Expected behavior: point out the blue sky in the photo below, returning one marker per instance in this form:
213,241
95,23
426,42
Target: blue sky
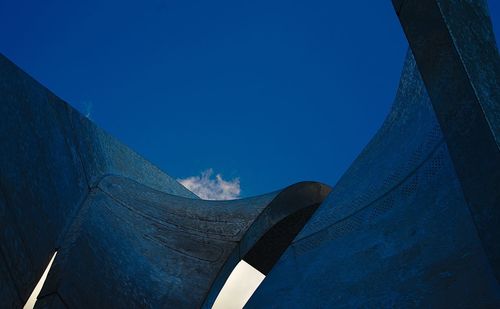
270,92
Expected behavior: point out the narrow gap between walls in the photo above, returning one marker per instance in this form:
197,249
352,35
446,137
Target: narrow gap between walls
36,291
239,287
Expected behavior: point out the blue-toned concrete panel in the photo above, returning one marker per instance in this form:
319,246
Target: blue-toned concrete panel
126,233
134,246
397,229
412,223
52,301
51,156
41,178
103,155
124,267
8,290
454,47
405,140
414,247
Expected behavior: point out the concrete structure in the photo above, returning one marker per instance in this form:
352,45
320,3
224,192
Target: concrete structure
412,223
127,234
415,220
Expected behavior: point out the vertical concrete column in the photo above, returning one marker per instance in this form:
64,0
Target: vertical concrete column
455,51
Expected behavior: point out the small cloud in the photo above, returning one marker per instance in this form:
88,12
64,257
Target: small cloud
88,108
208,187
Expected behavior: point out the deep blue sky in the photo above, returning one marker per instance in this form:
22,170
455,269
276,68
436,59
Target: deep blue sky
272,92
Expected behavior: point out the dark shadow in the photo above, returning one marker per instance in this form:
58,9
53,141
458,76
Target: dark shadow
274,242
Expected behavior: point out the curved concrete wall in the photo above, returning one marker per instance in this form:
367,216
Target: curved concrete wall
50,158
127,234
414,221
395,231
134,247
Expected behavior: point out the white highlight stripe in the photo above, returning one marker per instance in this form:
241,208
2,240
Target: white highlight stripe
32,299
239,287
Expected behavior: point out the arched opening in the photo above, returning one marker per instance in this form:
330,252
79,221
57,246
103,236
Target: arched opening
239,287
269,248
260,259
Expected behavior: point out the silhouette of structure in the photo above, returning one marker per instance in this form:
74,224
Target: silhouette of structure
414,221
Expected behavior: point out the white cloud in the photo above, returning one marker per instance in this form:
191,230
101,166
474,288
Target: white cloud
88,108
208,187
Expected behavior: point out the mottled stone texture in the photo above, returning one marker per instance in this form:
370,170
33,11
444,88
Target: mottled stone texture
415,220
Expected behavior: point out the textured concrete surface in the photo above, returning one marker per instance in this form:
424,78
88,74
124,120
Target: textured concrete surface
455,50
140,247
51,158
127,234
412,223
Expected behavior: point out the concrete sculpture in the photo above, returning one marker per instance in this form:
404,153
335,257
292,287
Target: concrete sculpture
413,222
139,238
